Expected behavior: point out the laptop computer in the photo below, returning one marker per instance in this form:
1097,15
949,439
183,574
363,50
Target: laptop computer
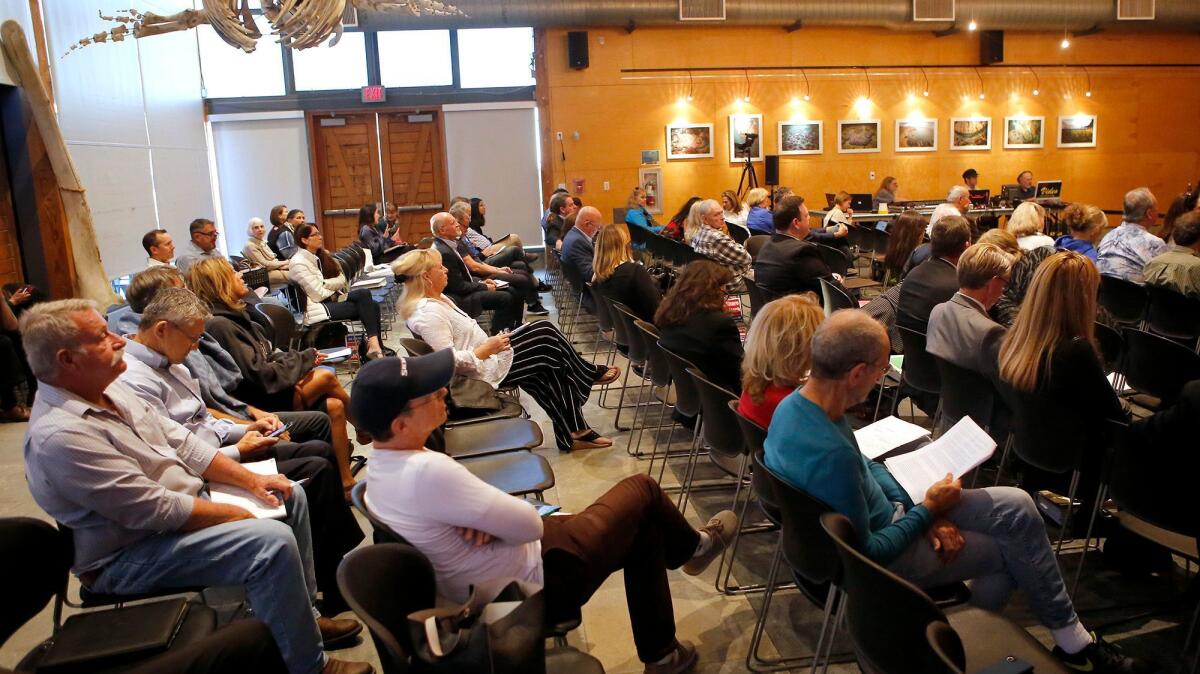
1011,192
861,202
979,198
1049,189
829,199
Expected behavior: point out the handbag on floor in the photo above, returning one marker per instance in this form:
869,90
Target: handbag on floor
503,636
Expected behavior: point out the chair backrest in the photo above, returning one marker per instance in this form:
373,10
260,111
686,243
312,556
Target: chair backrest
656,363
1125,300
634,338
834,298
755,244
886,614
38,558
383,533
721,431
1157,365
919,370
603,317
754,436
965,393
620,336
757,298
687,396
738,233
1043,435
297,295
806,547
1173,315
574,278
834,259
1112,347
283,325
415,346
1141,487
945,643
383,584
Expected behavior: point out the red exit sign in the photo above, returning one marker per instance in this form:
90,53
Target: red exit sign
374,93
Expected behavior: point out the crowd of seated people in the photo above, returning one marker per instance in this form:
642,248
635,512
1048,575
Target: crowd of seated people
516,273
258,252
618,277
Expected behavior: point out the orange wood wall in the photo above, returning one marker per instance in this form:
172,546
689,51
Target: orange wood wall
1148,131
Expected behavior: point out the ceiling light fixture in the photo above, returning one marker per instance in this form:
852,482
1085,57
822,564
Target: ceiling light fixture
1065,42
971,26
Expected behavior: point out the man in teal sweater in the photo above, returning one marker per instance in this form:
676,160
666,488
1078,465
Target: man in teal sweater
993,537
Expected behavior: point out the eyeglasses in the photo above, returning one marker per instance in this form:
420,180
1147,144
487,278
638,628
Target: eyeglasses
212,233
191,339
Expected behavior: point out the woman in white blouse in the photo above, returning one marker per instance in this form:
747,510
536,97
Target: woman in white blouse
1026,223
320,278
535,356
259,253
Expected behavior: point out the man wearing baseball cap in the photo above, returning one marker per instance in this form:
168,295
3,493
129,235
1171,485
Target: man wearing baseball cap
476,535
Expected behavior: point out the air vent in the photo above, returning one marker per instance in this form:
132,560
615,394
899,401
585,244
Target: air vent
349,17
701,10
1135,10
933,10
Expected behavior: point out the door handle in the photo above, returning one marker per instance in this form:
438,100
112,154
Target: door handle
409,208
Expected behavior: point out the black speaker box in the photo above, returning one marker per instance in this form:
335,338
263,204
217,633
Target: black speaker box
772,169
991,47
577,49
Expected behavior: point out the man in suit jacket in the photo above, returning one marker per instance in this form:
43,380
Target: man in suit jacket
471,295
960,330
787,264
935,280
577,249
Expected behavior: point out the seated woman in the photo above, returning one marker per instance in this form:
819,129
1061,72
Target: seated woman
886,194
735,211
271,380
675,227
259,253
1086,223
1026,223
758,218
282,237
835,228
904,236
778,355
381,247
693,323
15,367
497,252
321,279
636,214
535,356
621,279
712,239
1004,311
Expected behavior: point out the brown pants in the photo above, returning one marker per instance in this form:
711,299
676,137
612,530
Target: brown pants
634,527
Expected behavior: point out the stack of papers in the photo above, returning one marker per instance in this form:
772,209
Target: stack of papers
885,435
375,282
961,449
336,354
231,495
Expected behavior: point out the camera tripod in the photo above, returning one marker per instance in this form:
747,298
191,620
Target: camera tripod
749,176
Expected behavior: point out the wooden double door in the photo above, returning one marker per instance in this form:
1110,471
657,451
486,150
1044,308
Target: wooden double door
373,157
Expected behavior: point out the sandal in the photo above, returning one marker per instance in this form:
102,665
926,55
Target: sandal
590,440
610,375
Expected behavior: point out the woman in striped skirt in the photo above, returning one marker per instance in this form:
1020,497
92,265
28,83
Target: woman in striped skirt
536,356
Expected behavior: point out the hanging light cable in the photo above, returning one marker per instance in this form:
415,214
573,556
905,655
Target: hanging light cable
807,86
980,78
867,75
1088,92
1037,82
691,87
747,74
925,91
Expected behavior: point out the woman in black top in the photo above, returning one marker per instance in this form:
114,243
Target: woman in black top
693,323
621,279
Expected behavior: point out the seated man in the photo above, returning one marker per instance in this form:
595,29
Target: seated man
561,206
517,275
787,263
159,248
935,280
470,295
202,245
578,251
958,202
476,535
1124,252
960,330
1179,268
169,329
131,485
994,536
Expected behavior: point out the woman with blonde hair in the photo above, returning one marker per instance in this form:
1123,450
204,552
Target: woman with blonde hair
259,253
1005,310
778,354
636,213
736,211
535,356
621,279
759,219
1086,223
1026,223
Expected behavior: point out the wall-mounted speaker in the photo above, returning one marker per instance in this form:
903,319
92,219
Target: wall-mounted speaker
577,49
991,47
772,170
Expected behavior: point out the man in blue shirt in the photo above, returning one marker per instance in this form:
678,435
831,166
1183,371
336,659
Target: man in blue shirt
994,537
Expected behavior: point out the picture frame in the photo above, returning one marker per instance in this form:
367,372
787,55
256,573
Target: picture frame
689,141
650,179
1077,131
739,125
1024,132
916,135
970,133
801,137
856,136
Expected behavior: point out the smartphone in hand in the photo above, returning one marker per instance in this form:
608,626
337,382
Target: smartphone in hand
278,431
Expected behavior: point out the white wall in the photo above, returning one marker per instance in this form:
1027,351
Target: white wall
133,119
492,153
262,160
17,10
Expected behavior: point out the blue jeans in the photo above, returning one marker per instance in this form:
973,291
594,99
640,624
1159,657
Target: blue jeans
271,558
1005,547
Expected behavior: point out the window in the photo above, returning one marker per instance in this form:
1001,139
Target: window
229,72
342,66
495,57
415,58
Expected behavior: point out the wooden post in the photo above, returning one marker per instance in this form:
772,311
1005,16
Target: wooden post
90,280
542,95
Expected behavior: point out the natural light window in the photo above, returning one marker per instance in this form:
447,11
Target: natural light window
229,72
495,57
415,58
343,66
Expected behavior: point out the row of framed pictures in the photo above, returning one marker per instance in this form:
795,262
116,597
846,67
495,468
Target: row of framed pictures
691,141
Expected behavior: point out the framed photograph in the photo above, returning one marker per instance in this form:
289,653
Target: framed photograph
916,135
739,126
689,141
1024,132
1077,131
649,156
971,133
651,180
856,136
800,137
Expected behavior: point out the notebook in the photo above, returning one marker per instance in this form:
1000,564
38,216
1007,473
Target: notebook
231,495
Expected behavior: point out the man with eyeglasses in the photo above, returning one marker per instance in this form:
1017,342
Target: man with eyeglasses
960,330
202,245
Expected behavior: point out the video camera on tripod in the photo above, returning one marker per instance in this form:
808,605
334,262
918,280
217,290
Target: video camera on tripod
743,148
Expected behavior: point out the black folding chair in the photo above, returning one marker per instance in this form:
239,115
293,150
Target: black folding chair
834,298
919,372
1126,301
1157,366
1173,315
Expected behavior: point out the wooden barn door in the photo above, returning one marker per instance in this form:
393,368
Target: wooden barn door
345,162
414,168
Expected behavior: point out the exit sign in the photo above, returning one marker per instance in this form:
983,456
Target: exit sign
374,93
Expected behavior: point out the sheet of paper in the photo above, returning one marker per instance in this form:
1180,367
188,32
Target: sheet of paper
336,352
231,495
885,435
958,451
368,283
500,283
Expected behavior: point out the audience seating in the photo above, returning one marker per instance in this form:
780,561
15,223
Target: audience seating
948,647
639,359
1157,366
1125,301
687,403
659,373
839,264
919,372
755,244
1173,315
834,298
964,393
757,297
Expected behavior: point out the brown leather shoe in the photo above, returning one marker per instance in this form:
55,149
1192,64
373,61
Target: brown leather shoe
338,632
346,667
683,658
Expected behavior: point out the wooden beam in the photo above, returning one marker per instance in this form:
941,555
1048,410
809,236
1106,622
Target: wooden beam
39,40
542,96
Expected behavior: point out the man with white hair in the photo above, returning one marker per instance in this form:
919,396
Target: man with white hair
1124,252
712,240
470,295
958,202
577,249
132,486
517,276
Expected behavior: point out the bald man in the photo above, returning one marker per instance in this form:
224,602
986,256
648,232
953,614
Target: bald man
577,248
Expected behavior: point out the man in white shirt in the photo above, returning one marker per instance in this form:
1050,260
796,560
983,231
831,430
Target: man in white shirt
475,534
159,247
958,202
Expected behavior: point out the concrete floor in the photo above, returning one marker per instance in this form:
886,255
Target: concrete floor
719,625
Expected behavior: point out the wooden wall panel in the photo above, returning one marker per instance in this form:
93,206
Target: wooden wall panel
345,173
414,168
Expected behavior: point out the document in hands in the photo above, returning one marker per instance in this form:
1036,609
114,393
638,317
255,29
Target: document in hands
885,435
958,451
369,283
231,495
